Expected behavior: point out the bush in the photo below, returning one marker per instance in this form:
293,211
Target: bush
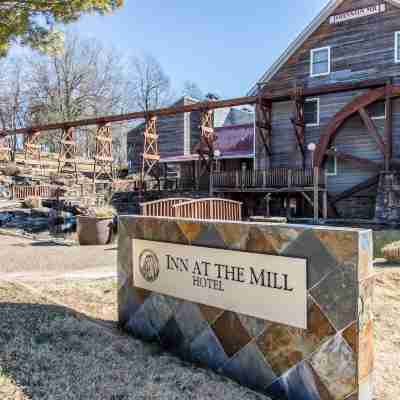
33,202
102,212
11,170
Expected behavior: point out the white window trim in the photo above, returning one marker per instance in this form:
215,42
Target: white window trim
334,164
312,61
396,47
318,120
380,117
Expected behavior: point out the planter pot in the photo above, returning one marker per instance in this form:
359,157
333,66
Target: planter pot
94,231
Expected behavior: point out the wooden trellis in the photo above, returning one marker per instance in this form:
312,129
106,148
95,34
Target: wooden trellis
103,166
32,148
151,154
67,162
207,139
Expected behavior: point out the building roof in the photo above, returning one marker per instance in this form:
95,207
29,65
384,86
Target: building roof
235,141
325,13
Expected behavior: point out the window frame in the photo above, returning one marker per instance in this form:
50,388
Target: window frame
335,163
314,99
312,51
382,116
396,47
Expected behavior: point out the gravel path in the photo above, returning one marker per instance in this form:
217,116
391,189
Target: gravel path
23,257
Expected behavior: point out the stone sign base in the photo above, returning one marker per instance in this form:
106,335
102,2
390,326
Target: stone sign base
331,360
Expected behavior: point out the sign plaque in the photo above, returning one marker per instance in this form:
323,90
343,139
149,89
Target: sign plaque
359,13
269,287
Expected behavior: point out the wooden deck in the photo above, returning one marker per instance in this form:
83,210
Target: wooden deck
274,180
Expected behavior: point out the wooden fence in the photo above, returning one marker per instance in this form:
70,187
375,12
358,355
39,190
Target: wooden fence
269,178
162,208
202,209
212,208
22,192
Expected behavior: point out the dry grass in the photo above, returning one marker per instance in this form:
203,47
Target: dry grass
387,336
51,352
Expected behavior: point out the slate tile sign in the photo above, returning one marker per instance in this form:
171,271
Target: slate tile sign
332,360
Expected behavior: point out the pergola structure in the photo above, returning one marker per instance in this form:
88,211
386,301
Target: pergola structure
103,165
375,90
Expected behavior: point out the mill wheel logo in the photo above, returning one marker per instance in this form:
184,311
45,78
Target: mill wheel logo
149,265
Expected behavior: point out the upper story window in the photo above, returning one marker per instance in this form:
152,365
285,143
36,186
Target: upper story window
397,47
311,112
320,61
377,110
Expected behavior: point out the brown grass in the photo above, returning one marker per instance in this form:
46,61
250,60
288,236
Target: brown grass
51,352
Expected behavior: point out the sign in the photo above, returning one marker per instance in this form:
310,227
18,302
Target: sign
359,13
269,287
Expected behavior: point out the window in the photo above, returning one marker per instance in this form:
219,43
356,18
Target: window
377,110
397,47
311,112
331,164
320,61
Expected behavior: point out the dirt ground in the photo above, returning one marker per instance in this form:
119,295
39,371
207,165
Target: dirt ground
59,340
74,351
387,334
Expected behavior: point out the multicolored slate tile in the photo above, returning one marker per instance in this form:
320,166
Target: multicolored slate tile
331,360
231,333
320,261
335,364
250,368
337,296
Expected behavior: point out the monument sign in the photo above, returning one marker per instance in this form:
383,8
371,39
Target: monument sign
283,309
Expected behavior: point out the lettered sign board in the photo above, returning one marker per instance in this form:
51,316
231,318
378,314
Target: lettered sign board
272,288
359,13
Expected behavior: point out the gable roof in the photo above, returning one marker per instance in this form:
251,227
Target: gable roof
330,7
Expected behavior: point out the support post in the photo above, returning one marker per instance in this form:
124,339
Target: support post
388,130
268,204
151,154
325,205
67,162
316,195
103,164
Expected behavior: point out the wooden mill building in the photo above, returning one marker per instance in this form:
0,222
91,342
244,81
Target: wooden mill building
334,89
327,123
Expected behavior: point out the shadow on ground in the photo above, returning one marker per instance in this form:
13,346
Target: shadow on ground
51,352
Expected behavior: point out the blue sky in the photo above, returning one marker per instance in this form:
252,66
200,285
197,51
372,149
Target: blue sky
224,46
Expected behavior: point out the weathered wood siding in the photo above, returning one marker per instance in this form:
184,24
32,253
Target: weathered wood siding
177,134
361,49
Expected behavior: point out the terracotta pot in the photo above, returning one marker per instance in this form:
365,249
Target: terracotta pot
94,231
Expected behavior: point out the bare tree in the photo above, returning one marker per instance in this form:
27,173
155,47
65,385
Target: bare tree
84,80
13,105
149,86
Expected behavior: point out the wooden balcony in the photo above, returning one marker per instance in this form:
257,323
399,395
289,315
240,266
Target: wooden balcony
270,180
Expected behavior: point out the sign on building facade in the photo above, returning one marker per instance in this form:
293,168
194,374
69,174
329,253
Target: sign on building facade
359,13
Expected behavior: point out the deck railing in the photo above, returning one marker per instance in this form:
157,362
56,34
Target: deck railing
162,208
270,178
22,192
211,208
